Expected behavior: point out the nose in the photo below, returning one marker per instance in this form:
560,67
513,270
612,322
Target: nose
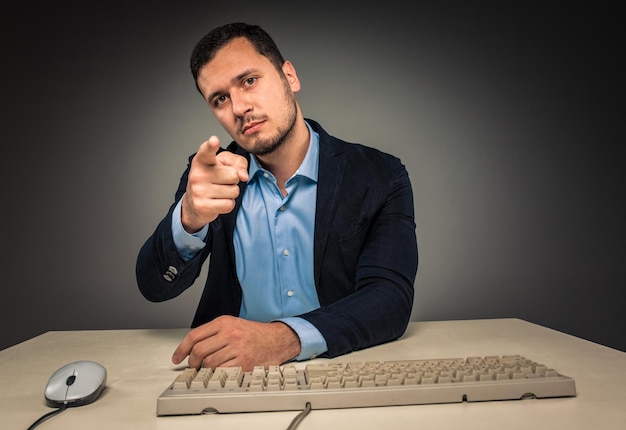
240,103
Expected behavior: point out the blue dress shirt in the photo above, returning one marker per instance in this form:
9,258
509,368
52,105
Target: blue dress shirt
273,241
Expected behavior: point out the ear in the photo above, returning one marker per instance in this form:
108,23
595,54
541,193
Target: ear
290,74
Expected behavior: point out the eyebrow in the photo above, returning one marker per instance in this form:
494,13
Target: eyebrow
233,81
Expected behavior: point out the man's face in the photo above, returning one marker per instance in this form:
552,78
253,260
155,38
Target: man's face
254,102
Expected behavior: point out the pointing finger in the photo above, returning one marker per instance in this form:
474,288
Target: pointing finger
207,152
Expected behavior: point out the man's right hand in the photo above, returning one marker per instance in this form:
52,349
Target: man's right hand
212,186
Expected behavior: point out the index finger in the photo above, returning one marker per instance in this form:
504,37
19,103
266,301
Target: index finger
207,152
191,339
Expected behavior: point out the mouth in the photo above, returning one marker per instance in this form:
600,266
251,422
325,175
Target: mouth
251,127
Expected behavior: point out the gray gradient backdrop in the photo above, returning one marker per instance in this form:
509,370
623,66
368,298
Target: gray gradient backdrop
509,120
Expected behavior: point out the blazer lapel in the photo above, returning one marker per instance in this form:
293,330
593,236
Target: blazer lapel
330,178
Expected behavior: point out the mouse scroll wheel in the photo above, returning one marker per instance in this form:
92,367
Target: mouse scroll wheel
70,380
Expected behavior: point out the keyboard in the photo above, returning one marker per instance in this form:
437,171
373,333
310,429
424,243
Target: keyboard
333,385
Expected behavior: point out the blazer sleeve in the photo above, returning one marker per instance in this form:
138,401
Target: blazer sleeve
160,271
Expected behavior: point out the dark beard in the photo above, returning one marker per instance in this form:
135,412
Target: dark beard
267,146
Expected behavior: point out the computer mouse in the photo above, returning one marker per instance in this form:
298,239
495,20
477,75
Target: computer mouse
76,384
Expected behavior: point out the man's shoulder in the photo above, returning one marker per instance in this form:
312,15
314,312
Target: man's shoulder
356,150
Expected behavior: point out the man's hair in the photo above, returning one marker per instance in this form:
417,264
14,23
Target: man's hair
206,48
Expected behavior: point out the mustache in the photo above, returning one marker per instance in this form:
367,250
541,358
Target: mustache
245,121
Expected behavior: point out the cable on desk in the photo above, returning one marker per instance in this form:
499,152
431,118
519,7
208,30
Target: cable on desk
47,416
298,418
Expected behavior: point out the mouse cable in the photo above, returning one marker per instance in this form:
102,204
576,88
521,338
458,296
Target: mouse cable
298,418
48,415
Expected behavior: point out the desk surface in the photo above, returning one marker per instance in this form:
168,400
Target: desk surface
139,369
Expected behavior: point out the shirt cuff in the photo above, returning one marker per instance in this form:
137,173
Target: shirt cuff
188,245
311,340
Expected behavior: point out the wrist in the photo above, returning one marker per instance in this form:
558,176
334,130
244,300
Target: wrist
289,342
191,223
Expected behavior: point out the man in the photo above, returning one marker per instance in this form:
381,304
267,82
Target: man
311,240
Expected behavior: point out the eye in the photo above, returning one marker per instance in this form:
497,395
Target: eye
217,101
249,81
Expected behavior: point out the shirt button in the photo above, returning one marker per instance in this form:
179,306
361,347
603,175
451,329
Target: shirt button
285,252
266,175
289,293
282,208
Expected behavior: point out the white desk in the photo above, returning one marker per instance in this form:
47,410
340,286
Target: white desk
139,369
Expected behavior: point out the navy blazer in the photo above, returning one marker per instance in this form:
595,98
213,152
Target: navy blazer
365,250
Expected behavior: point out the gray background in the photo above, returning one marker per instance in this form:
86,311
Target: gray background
509,120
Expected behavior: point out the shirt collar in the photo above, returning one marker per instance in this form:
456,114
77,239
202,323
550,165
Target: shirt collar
309,166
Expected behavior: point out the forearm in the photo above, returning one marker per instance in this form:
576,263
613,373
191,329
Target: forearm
160,270
377,313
